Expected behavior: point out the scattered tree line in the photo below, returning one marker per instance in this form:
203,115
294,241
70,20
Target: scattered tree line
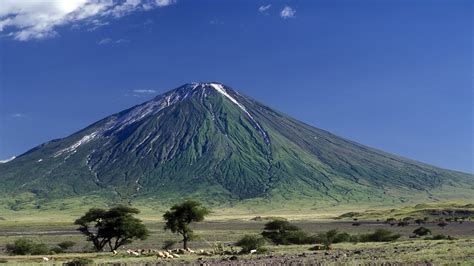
118,226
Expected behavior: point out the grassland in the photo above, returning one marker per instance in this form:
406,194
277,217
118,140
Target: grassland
408,252
225,226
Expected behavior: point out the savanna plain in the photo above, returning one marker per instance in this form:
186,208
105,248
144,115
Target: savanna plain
338,236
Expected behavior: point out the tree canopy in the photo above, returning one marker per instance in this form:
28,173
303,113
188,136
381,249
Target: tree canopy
180,216
114,227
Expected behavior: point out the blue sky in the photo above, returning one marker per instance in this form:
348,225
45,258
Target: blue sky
395,75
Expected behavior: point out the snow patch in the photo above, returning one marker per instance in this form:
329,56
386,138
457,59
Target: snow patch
221,90
73,147
7,160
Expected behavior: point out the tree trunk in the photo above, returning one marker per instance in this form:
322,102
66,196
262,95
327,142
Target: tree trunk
185,242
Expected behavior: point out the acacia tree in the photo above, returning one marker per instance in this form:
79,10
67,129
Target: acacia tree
114,227
179,218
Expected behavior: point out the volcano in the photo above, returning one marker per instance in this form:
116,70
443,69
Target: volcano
207,141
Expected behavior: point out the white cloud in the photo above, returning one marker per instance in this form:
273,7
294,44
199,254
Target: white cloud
165,2
141,93
287,12
145,91
263,9
37,19
106,41
17,115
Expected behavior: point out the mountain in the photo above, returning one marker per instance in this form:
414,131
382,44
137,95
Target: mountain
207,141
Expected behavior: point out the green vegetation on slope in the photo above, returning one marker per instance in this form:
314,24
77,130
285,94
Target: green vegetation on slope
194,142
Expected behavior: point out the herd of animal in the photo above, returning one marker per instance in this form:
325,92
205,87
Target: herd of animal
168,254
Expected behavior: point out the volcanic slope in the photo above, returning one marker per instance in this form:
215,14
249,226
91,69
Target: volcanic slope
207,141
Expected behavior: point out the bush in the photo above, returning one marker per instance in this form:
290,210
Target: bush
422,231
65,245
56,250
282,232
442,224
440,237
332,236
296,237
62,247
403,223
79,262
24,246
419,221
250,242
342,237
380,235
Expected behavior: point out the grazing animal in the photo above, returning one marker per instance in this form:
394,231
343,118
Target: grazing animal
45,259
253,251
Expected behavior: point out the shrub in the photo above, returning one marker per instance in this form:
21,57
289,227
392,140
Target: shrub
24,246
422,231
342,237
282,232
333,236
297,237
79,262
440,237
168,244
391,221
403,223
419,221
442,224
65,245
250,242
56,250
380,235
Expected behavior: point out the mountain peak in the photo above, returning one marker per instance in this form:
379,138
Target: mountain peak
207,141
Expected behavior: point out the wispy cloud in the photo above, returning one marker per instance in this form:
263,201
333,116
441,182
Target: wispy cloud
25,20
141,93
264,8
216,22
145,91
17,115
287,12
106,41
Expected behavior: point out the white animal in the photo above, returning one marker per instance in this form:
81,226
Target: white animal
253,251
45,259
